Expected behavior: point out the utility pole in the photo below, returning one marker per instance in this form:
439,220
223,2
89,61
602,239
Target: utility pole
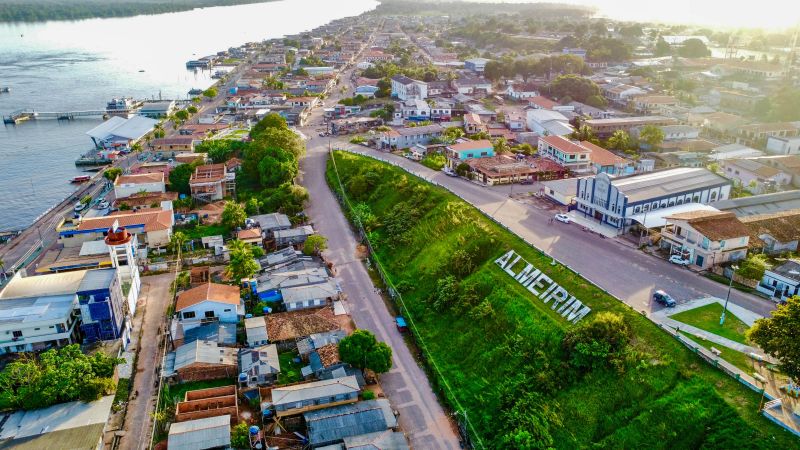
728,296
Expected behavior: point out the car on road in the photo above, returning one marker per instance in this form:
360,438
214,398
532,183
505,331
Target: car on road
527,181
678,259
449,172
664,298
80,206
103,205
563,218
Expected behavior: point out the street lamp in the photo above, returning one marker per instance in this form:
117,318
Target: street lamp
728,296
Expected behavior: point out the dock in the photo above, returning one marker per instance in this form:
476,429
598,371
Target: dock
24,115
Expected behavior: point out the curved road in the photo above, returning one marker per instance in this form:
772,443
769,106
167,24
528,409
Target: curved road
625,272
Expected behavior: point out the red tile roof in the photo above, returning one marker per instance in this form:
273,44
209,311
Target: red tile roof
155,177
542,102
152,220
602,156
221,293
471,145
565,145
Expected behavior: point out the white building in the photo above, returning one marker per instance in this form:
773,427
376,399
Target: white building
781,282
309,296
127,185
777,145
210,301
617,201
705,238
548,123
405,88
119,133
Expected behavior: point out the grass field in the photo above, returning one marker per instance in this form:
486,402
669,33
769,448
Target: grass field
707,318
290,370
738,359
497,349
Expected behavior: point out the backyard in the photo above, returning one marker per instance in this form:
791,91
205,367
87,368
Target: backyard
497,350
434,161
707,318
290,370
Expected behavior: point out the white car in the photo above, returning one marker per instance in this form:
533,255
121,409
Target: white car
563,218
79,207
449,172
678,259
103,205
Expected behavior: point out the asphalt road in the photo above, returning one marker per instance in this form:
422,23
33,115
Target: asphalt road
627,273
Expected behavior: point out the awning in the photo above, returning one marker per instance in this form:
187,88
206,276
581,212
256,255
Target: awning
657,218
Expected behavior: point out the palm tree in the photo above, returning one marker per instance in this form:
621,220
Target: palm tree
501,146
177,241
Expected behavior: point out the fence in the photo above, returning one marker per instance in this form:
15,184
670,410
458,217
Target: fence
717,362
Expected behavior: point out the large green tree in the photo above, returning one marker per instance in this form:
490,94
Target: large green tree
652,136
362,350
620,140
777,336
180,175
694,48
233,215
242,263
574,86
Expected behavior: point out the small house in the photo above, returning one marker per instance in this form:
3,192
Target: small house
210,301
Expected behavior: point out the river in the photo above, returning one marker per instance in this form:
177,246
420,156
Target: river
75,65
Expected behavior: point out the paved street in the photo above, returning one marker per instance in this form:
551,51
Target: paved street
624,271
406,385
153,302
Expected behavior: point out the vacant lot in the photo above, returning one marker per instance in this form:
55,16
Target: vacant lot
498,352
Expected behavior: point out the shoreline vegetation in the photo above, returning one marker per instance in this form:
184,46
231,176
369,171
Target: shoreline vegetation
529,378
45,10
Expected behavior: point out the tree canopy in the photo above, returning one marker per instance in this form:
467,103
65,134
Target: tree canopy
576,87
777,336
362,350
242,263
233,215
694,48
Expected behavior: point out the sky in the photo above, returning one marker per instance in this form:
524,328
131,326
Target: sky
768,14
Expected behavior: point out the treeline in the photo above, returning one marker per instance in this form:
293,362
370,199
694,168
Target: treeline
460,9
41,10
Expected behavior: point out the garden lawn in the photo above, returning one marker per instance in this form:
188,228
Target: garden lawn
707,319
201,231
434,161
502,342
290,370
738,359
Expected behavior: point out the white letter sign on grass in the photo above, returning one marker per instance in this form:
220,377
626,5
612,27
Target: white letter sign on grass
540,285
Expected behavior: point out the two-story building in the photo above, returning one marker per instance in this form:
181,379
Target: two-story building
754,176
169,147
619,201
408,137
212,182
778,232
571,155
461,151
405,88
128,185
210,301
152,227
705,238
477,65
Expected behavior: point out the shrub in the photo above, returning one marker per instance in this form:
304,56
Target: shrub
597,342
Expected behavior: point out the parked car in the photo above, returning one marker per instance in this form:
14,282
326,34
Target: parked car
449,172
526,181
103,205
80,206
678,259
563,218
664,298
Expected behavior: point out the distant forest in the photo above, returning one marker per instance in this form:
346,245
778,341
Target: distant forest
461,9
40,10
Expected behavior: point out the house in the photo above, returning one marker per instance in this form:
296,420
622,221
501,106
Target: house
473,123
324,362
413,109
208,402
604,128
119,133
169,147
620,94
405,88
377,55
779,232
505,169
761,204
515,122
789,164
309,296
461,151
574,156
354,125
521,91
272,222
439,88
251,236
620,201
256,331
408,137
72,425
284,329
545,122
331,425
212,182
589,111
292,236
472,85
705,238
652,104
128,185
259,365
318,340
757,134
733,151
182,332
200,360
539,102
305,102
676,132
754,176
210,301
781,282
366,91
777,145
604,161
152,227
561,191
738,100
157,110
477,65
301,398
380,440
200,434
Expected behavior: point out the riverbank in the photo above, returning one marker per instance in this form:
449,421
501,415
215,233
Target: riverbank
43,10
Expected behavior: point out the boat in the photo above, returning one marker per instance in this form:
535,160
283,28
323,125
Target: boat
80,179
121,106
141,70
5,90
195,91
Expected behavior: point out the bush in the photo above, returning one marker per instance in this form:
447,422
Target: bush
753,267
367,395
597,342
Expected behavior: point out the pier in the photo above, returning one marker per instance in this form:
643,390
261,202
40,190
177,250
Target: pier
24,115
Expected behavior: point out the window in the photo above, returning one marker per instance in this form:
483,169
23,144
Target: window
17,334
209,314
228,310
188,315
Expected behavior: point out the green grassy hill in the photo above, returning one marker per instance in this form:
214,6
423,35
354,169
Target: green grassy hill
502,353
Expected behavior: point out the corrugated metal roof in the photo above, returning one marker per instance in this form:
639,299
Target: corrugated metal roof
203,352
316,389
256,329
97,279
43,285
211,432
380,440
311,292
332,424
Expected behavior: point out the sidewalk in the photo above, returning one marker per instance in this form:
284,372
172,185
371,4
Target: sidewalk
593,225
719,340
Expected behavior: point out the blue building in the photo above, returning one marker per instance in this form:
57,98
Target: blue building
101,304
